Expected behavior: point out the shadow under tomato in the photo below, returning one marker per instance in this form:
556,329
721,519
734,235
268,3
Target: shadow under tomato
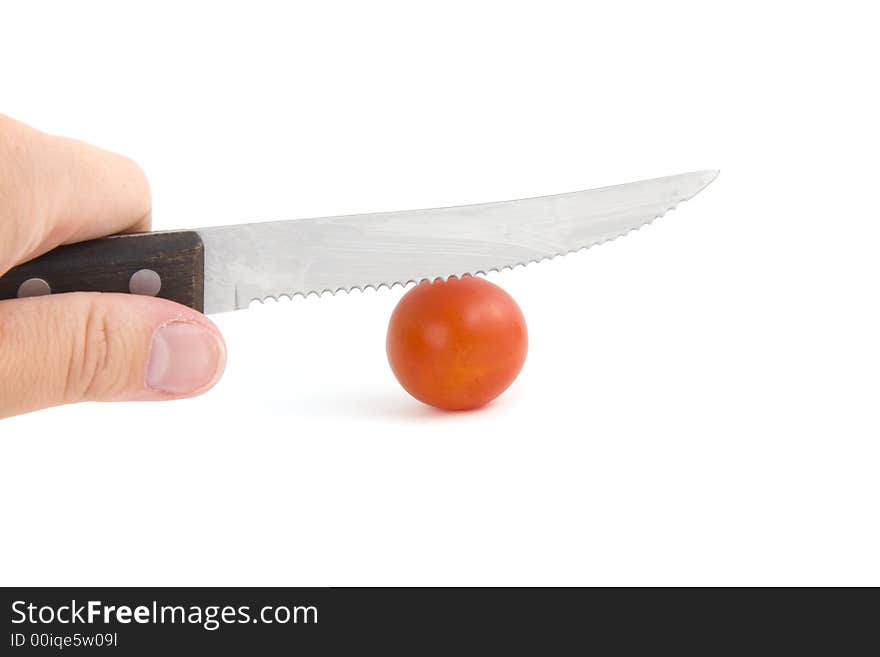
392,406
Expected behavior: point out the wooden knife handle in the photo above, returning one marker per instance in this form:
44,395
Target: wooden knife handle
173,262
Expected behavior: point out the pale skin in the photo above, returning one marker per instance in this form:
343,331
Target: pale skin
67,348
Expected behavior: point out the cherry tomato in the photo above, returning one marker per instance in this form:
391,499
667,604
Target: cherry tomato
457,344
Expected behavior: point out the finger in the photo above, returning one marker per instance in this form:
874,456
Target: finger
103,347
55,191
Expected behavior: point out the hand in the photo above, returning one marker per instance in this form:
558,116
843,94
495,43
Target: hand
65,348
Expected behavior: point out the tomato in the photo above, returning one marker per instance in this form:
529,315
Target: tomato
457,344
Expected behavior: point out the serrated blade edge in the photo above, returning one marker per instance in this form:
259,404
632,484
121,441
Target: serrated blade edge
258,261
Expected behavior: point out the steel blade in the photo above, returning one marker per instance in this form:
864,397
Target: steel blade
251,262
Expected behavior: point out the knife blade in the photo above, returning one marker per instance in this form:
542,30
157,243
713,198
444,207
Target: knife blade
225,268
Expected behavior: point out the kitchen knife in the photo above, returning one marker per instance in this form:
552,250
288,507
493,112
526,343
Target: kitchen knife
224,268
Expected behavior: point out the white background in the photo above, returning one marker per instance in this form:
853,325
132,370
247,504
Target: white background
700,401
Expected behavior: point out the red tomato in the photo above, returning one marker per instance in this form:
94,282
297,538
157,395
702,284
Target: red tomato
457,344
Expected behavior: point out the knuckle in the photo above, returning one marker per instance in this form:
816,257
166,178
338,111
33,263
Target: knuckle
140,188
96,365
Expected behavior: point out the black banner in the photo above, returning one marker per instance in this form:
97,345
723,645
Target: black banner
150,621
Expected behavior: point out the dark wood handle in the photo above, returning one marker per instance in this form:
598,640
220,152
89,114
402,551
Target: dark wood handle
177,260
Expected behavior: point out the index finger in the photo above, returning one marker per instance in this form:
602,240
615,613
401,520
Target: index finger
55,191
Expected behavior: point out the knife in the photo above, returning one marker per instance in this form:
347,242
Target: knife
225,268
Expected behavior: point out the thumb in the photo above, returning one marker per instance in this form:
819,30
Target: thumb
103,347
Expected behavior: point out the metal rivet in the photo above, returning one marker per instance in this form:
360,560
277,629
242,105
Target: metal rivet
34,287
145,282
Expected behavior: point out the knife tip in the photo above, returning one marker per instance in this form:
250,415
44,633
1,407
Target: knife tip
703,179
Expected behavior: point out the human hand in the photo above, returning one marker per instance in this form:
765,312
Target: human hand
65,348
